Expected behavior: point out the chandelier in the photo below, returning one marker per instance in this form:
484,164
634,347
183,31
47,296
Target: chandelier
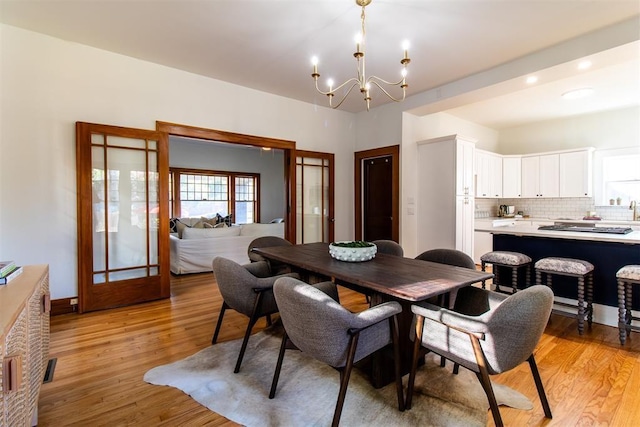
361,80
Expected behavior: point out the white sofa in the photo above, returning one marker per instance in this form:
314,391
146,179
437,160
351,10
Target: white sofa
194,252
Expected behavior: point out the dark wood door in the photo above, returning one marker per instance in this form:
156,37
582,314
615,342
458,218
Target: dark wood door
377,193
122,178
378,203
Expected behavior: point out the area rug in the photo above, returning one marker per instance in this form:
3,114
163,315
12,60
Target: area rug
307,390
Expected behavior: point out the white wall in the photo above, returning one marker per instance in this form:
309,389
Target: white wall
48,84
611,129
190,154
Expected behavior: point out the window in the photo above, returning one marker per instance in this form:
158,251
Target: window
209,193
617,176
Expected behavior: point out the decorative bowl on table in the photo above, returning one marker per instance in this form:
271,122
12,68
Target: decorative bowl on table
353,251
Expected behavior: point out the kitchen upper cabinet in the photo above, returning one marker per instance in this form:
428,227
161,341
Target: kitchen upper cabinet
511,176
465,153
575,174
541,176
488,174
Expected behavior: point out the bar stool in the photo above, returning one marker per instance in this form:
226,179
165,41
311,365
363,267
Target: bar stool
513,260
627,276
583,270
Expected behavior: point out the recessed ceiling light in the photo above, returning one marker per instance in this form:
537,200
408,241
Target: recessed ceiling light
532,79
583,65
578,93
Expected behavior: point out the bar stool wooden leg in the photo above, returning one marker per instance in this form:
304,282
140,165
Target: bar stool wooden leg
629,315
580,305
514,279
590,299
483,266
622,316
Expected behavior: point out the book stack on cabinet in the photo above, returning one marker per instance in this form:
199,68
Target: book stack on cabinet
24,346
9,271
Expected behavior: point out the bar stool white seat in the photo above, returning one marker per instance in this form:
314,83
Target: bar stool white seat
513,260
627,276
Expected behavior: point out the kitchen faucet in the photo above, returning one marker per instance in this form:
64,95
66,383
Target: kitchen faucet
634,207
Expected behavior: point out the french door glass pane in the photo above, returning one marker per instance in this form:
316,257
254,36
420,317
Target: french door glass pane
127,243
125,193
312,204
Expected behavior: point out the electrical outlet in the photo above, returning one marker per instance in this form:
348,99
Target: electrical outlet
74,301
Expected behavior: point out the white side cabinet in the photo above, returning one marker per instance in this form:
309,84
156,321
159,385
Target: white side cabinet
511,177
24,346
445,208
575,174
541,176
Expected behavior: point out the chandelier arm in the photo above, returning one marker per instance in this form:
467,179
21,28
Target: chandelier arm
356,83
404,93
372,79
353,79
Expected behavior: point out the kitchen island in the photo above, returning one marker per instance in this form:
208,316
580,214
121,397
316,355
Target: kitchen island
607,252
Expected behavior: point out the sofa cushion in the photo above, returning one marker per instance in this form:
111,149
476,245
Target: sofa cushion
207,233
173,228
259,230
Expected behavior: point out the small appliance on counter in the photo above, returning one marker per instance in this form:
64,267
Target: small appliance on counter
507,211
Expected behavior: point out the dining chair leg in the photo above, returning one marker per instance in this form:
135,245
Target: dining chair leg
344,378
393,329
483,377
220,316
276,374
414,361
539,386
252,321
456,368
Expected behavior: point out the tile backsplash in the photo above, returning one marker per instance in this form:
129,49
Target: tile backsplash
569,208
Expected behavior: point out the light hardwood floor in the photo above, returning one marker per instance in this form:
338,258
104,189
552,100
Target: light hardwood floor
102,357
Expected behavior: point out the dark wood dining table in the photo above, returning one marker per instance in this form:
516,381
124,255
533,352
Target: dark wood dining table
384,278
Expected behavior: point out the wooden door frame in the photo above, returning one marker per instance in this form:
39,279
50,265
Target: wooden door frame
359,156
330,157
213,135
130,291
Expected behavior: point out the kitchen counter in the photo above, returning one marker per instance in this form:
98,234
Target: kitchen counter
527,228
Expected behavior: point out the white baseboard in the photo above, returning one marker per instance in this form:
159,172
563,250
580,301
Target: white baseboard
602,314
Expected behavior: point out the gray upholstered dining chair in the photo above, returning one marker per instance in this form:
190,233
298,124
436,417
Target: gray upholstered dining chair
389,247
265,242
448,256
247,289
323,329
487,333
452,257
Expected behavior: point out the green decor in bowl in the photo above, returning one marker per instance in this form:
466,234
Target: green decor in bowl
353,251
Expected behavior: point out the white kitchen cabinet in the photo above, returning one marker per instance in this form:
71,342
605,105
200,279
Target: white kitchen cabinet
576,174
445,205
541,176
482,244
465,152
488,174
511,177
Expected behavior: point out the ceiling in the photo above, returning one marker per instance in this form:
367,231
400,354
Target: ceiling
267,44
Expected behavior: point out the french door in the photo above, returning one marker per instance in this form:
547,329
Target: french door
314,197
122,179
